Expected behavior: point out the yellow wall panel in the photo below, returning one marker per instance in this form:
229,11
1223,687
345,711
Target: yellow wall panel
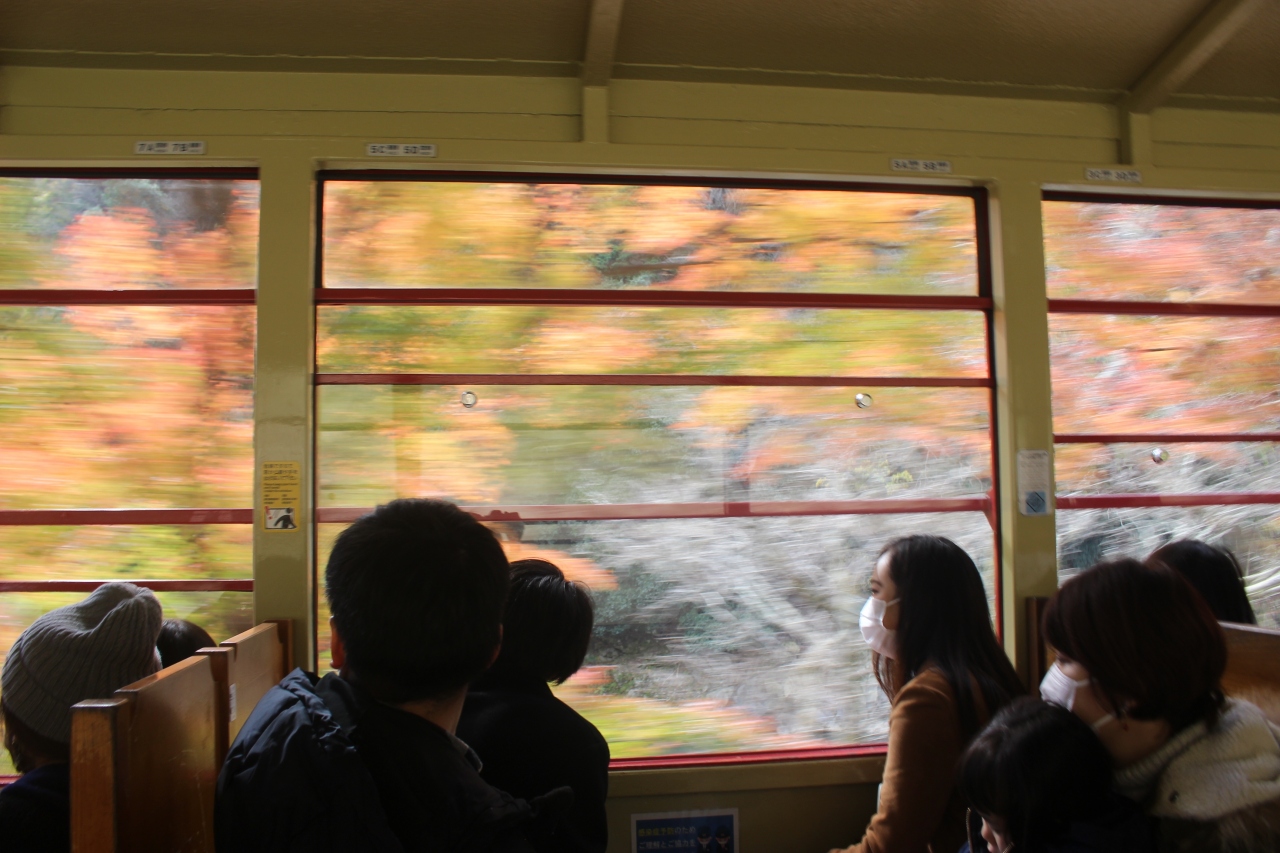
32,121
893,141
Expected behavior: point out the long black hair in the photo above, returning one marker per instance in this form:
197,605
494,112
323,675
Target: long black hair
1215,573
1038,767
944,623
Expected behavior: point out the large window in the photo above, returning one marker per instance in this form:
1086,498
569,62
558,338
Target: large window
714,404
1165,337
126,392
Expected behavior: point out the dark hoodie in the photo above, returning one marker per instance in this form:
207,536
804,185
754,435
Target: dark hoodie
35,811
321,766
1121,829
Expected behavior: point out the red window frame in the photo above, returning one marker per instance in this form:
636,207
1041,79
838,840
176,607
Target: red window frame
1161,309
126,516
982,302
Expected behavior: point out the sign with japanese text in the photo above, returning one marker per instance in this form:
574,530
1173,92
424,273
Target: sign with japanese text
281,495
696,832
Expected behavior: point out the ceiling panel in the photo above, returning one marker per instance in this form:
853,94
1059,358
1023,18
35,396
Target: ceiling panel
1086,49
1091,44
1248,66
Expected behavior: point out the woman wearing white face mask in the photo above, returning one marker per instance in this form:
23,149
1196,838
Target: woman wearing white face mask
937,659
1140,659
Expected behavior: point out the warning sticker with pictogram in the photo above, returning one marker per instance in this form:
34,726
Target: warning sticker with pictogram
281,495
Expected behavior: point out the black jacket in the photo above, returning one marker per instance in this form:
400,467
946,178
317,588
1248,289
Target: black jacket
320,766
1122,828
35,811
531,742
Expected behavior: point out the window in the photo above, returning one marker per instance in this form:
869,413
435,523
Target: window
1164,326
126,391
714,404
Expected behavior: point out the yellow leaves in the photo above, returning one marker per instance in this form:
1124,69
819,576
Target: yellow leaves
564,346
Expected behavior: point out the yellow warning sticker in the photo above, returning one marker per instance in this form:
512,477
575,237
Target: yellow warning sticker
281,495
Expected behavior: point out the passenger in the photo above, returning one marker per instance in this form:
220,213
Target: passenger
936,657
366,759
1039,781
82,651
529,740
180,639
1214,572
1140,659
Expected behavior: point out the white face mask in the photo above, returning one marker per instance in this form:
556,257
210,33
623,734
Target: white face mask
1060,689
871,621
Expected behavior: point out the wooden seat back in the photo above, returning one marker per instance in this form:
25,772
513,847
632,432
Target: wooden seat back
144,764
1039,655
1253,667
246,667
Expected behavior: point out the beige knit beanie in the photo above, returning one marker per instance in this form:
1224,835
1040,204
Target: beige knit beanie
82,651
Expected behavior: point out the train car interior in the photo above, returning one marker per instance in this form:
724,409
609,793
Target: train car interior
704,302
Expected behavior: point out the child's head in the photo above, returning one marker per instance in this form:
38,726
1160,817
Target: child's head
86,650
548,622
1034,770
179,640
416,589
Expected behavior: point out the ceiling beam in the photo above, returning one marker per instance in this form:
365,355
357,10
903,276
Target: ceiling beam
1189,52
597,68
602,42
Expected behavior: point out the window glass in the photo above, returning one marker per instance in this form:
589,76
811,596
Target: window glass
726,634
1134,380
126,551
1252,533
650,340
599,444
128,233
1161,252
138,406
1169,468
126,407
1142,374
728,572
517,235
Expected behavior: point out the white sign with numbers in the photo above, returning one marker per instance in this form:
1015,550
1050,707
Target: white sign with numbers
400,149
1114,176
937,167
168,147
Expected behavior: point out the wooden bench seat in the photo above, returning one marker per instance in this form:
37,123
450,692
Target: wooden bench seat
145,762
1253,667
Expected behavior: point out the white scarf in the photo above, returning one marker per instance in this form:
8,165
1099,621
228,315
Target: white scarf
1203,774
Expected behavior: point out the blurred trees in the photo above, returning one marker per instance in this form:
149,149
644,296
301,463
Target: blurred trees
127,407
754,617
1163,374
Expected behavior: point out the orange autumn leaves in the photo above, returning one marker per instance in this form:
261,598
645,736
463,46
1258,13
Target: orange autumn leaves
135,406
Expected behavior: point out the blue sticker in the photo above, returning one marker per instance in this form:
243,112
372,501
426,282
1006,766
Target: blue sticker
695,832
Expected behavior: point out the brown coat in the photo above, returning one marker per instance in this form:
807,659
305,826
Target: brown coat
920,808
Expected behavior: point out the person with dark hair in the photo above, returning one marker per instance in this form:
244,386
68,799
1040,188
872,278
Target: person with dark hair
366,759
936,657
529,740
86,650
1140,659
179,640
1214,572
1038,780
